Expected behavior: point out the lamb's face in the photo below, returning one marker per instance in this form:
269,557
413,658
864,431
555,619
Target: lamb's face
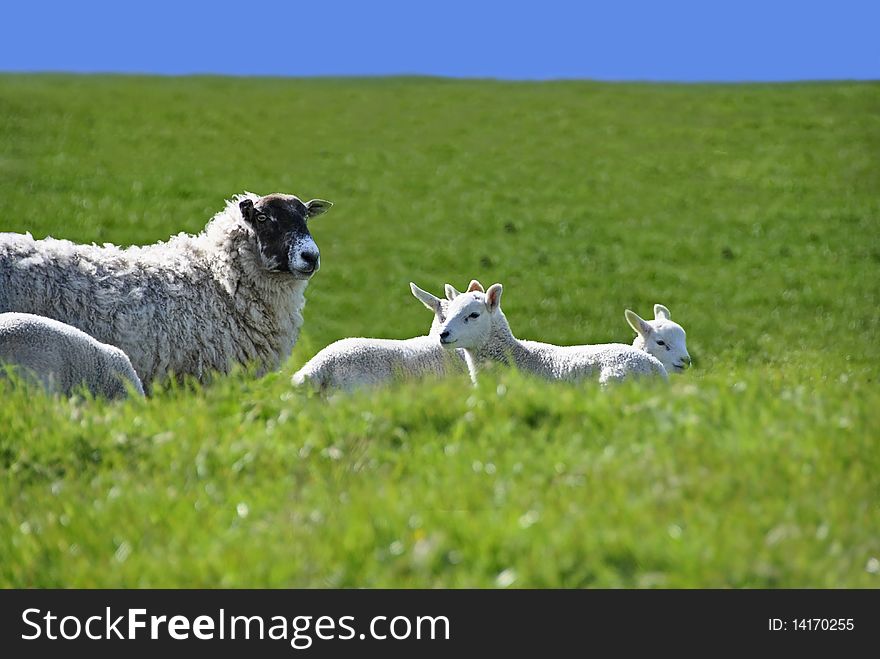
468,323
664,339
440,316
280,223
667,342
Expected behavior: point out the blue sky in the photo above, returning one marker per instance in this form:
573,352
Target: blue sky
611,40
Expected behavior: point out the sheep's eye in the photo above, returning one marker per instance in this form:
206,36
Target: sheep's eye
261,217
474,315
660,343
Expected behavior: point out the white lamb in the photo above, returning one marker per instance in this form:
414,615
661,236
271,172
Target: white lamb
476,324
63,358
232,294
356,362
662,338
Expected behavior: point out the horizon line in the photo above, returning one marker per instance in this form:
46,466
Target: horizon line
439,77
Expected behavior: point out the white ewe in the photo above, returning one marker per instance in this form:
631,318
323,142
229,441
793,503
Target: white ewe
662,338
476,324
189,306
63,358
356,362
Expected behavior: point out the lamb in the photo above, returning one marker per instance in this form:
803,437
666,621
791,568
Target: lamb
351,363
662,338
476,324
63,358
232,294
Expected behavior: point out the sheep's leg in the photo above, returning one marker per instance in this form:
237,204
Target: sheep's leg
611,375
471,366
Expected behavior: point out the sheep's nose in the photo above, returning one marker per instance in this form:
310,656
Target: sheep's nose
444,335
686,359
310,259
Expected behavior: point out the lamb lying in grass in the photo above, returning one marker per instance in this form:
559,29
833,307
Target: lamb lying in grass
356,362
476,324
661,338
63,358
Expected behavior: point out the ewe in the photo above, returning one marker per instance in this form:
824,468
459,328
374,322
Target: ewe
356,362
62,358
189,306
476,324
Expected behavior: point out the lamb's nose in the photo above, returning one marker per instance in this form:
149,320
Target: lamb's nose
444,335
686,359
311,258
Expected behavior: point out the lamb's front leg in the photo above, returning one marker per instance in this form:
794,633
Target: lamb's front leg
471,366
611,374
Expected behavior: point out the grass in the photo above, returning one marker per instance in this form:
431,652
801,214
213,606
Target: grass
752,211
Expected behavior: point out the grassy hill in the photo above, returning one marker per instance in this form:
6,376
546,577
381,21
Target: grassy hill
753,212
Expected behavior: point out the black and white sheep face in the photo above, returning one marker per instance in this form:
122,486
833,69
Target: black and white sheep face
280,223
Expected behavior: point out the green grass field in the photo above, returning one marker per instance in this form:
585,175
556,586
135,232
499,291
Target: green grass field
753,212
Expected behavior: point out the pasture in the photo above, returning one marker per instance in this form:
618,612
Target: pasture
751,211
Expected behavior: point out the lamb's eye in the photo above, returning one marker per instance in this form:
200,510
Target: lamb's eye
660,343
474,315
261,217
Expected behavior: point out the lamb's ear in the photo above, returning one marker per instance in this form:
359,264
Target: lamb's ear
661,312
493,297
639,325
475,286
433,303
246,206
317,207
451,293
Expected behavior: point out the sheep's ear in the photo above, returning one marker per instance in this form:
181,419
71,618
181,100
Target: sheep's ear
493,297
661,312
430,301
475,286
639,325
317,207
246,206
451,293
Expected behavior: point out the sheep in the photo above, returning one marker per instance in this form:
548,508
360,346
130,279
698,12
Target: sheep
476,324
232,294
662,338
351,363
63,358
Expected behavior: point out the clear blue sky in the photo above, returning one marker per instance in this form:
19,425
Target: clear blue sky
715,40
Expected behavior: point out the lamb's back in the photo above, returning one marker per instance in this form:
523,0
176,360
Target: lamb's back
63,357
604,360
353,362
